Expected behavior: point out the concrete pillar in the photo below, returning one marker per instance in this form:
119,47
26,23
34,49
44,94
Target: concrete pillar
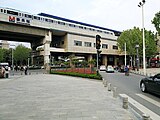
125,102
105,83
33,54
46,42
89,58
104,61
114,92
109,86
115,60
71,60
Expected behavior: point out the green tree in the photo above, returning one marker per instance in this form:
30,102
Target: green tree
1,55
21,54
134,36
156,22
131,38
7,55
151,48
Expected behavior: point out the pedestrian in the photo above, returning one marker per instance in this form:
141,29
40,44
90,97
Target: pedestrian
6,71
25,70
3,71
126,70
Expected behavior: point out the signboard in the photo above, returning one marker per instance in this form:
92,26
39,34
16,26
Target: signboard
19,20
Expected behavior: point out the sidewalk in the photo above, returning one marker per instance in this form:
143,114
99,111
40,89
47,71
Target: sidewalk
54,97
149,71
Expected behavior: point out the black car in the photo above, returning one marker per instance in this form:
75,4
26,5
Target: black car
151,84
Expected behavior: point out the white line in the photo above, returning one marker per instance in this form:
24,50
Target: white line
149,100
142,108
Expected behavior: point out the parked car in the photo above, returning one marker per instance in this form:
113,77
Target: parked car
151,84
102,68
110,69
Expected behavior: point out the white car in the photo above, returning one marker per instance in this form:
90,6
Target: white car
110,69
102,68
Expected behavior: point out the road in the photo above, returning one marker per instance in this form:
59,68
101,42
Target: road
129,85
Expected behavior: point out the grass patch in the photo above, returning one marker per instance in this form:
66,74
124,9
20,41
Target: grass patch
91,76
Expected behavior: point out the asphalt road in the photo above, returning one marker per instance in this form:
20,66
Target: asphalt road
130,85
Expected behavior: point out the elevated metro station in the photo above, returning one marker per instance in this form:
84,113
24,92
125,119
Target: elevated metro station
59,36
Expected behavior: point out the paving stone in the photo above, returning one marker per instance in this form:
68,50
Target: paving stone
55,97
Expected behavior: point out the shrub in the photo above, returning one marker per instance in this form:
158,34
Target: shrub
91,76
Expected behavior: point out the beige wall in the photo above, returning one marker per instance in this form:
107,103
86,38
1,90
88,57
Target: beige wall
82,49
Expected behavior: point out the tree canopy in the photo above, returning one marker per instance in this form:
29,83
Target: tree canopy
156,22
132,37
21,54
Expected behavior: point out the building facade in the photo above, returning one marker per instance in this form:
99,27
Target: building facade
64,37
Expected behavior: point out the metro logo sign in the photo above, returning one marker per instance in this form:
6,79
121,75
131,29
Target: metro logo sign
19,20
12,19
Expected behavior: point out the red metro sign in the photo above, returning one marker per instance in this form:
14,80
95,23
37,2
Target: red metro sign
19,20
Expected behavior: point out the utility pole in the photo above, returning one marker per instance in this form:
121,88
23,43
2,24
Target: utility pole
141,4
125,63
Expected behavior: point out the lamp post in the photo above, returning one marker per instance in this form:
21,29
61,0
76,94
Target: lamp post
125,58
137,46
141,4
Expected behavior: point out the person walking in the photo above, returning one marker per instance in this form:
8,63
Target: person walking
126,70
25,70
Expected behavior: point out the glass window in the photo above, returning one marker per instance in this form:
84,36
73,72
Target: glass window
99,31
77,43
46,20
71,25
23,20
91,29
105,46
18,19
28,16
115,47
87,44
106,32
12,12
1,10
28,21
81,27
61,23
37,18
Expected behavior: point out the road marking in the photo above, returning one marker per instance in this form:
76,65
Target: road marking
141,108
149,99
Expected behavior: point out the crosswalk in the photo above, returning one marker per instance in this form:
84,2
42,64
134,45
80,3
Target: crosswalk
142,108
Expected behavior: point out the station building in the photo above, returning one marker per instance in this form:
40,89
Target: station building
63,37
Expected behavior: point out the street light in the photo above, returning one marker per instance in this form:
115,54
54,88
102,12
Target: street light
137,46
144,54
125,58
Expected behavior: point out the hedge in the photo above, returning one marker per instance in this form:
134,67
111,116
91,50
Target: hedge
91,76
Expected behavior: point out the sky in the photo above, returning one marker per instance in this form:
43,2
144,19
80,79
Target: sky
118,15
